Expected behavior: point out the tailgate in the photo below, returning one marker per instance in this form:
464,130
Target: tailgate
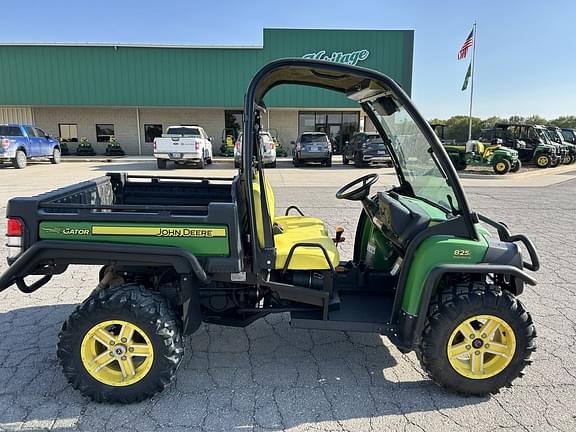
178,144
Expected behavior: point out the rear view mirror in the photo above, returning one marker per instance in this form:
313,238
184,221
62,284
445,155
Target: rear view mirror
385,106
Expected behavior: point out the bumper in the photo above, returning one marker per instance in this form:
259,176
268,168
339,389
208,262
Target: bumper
312,156
7,156
185,157
377,159
266,159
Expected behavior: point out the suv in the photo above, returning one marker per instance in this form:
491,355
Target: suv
183,144
267,145
313,147
366,148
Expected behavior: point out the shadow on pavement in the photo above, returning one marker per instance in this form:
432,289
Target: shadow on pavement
266,376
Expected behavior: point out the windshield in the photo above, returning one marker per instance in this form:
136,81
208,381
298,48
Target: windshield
416,161
569,135
542,133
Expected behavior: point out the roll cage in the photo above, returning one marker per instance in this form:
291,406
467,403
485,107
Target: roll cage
367,87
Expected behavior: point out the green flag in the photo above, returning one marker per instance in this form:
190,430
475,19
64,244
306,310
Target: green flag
467,77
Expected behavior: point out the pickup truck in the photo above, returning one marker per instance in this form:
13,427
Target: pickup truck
183,145
20,142
175,252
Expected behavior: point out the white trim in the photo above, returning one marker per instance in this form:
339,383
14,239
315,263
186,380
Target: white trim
127,45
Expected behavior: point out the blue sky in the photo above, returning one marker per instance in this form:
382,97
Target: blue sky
526,62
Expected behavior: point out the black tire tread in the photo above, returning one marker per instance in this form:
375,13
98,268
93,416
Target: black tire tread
151,307
446,306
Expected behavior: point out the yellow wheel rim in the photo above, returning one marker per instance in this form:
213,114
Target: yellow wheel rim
542,160
117,353
481,347
500,166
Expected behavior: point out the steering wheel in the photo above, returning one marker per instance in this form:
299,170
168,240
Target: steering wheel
359,193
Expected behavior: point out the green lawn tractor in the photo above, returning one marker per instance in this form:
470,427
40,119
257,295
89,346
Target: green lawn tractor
428,272
113,148
475,153
85,148
531,142
229,137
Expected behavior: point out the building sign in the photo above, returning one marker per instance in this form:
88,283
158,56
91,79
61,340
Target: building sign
351,58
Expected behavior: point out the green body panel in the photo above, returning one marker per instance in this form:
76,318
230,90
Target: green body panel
149,76
201,240
376,251
433,212
435,251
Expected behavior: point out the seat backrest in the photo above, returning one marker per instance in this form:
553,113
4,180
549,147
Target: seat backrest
270,205
480,148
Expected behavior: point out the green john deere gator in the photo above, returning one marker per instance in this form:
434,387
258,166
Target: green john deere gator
174,252
476,153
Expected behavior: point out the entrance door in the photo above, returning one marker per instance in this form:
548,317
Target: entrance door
333,132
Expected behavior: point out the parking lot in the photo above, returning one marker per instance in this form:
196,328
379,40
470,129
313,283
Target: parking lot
269,377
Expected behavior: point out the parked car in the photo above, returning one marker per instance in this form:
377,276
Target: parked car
182,145
267,145
365,148
20,142
313,147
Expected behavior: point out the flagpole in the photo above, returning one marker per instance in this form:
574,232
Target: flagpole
472,81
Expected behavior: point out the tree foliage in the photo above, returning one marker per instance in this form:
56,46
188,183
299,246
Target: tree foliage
457,126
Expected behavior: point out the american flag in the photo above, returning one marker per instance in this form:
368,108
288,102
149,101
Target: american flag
467,44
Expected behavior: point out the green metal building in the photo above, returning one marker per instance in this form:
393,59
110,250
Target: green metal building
135,91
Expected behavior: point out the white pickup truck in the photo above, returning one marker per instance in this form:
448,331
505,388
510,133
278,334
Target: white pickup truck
183,144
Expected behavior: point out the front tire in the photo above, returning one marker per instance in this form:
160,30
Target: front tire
20,160
502,166
328,162
358,161
56,156
476,340
543,161
121,345
345,160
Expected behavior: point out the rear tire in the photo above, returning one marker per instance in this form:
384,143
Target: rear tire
458,306
296,163
555,163
328,163
358,162
516,167
20,160
56,156
152,328
161,163
345,160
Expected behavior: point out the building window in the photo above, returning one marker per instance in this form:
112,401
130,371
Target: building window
68,132
104,132
152,131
